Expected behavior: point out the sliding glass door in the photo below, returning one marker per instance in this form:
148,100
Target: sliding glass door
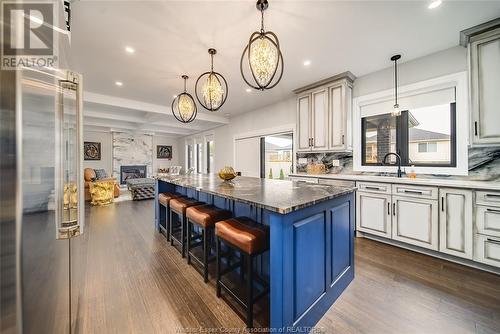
276,156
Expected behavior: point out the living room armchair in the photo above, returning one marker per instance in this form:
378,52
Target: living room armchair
89,176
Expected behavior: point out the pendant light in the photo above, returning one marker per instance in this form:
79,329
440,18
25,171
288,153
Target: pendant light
213,88
183,105
396,111
264,56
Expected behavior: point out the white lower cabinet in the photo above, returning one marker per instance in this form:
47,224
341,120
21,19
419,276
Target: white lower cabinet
373,212
455,222
415,221
487,250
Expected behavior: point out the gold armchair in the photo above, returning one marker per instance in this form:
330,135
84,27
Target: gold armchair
89,175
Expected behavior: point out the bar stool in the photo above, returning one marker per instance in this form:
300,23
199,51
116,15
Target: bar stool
178,207
250,239
164,200
205,217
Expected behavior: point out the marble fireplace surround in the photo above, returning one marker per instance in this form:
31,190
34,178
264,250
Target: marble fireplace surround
131,149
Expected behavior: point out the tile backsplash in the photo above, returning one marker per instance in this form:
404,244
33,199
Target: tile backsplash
484,163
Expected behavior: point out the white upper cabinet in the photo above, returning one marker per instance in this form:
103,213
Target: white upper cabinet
324,114
320,120
483,45
304,123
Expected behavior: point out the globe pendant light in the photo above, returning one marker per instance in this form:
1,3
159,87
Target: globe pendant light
214,88
183,105
264,56
396,111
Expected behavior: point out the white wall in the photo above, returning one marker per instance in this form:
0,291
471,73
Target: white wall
162,163
438,64
106,140
275,115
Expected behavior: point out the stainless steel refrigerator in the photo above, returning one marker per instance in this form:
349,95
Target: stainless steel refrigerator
41,199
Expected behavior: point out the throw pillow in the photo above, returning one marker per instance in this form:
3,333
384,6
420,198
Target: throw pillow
100,174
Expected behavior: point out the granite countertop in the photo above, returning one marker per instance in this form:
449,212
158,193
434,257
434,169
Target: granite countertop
420,180
280,196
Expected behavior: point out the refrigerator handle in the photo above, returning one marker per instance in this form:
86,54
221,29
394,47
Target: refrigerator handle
69,186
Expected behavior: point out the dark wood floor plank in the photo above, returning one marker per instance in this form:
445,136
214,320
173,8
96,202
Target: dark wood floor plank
135,282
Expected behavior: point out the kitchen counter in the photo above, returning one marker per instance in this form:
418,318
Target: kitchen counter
422,181
280,196
310,261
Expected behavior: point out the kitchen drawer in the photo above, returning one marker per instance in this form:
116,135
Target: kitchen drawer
488,220
487,250
415,191
489,198
338,183
372,187
304,179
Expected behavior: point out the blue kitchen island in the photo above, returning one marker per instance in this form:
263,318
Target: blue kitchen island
311,257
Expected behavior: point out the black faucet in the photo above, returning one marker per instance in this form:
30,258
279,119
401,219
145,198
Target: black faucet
398,160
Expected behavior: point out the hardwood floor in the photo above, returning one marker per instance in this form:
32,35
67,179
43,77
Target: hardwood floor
131,281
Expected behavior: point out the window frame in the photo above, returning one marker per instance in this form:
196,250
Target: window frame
403,143
458,81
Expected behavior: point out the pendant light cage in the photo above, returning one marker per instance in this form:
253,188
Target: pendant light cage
183,106
396,111
211,87
263,56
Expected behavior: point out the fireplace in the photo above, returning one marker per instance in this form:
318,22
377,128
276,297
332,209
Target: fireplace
132,172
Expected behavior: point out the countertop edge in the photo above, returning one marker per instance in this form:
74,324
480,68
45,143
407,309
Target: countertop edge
283,211
464,184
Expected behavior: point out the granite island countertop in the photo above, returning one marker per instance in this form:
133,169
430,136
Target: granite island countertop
280,196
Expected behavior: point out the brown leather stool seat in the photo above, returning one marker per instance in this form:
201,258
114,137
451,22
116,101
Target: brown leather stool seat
244,233
164,198
178,207
205,216
250,239
180,204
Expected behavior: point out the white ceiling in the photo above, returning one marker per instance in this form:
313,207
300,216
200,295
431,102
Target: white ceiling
172,37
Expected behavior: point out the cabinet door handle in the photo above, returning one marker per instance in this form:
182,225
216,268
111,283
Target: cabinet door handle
475,128
388,208
312,141
372,188
492,195
393,209
493,241
442,204
492,210
342,139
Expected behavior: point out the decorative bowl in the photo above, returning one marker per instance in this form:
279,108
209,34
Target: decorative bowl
227,173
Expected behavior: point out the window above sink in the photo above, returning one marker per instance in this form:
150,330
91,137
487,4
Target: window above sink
431,133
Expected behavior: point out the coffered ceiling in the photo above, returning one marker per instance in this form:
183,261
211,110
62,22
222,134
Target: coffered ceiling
171,38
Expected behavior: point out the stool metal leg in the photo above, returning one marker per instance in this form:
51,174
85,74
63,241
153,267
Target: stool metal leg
188,241
249,263
183,235
217,265
206,250
167,222
171,231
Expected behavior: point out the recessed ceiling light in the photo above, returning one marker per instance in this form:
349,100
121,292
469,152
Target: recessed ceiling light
248,90
118,83
435,4
129,49
307,62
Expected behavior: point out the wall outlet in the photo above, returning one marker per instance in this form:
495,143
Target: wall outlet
335,163
302,160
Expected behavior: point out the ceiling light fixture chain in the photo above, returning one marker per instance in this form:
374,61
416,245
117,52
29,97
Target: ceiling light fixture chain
396,110
211,87
264,56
